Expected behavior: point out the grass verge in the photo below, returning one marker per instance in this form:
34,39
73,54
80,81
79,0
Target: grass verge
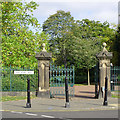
116,96
14,98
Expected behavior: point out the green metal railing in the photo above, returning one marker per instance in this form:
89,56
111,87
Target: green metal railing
115,78
18,82
57,80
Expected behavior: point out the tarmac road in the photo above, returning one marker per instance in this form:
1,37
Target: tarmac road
62,114
83,105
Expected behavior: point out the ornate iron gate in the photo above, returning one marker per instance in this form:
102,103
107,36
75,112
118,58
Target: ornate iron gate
57,80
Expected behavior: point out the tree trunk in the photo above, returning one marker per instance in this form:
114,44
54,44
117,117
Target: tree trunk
64,57
88,77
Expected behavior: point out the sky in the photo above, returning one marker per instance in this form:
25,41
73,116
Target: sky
119,13
98,10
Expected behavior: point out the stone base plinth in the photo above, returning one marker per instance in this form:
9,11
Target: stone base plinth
109,93
101,95
43,94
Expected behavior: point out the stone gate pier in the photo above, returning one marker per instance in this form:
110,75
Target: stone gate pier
43,66
104,58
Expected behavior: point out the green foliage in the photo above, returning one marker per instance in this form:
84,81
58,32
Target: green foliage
19,43
59,27
116,96
84,53
89,36
115,48
76,42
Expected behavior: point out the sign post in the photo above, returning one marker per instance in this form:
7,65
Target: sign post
28,104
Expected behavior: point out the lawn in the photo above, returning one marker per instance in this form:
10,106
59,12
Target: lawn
116,96
14,98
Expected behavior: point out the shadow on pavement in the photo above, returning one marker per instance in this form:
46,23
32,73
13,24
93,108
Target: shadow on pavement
87,92
87,97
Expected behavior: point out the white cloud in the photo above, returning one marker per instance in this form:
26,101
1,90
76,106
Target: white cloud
101,11
74,0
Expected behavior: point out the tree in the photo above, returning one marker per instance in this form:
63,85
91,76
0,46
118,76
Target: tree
89,36
84,53
76,42
115,47
91,29
19,43
58,26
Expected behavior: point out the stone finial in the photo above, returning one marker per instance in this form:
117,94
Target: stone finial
43,45
104,53
104,45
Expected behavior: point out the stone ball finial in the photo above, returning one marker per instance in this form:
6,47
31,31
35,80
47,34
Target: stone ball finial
104,45
43,45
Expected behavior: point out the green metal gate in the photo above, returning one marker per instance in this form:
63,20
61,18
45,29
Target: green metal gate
115,78
57,80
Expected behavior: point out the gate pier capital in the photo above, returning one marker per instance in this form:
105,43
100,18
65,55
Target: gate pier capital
43,66
104,58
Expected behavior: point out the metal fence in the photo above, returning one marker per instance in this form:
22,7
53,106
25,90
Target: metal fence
18,82
57,80
115,78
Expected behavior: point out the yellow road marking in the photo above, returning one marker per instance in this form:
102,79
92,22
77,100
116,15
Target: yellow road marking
115,105
87,109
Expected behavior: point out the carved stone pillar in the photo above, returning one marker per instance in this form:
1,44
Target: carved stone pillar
104,66
43,65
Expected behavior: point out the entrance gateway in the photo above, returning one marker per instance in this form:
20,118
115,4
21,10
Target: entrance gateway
54,86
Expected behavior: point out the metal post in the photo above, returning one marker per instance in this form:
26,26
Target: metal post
105,98
96,90
28,104
67,104
96,83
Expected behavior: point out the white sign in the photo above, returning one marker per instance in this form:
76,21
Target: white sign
23,72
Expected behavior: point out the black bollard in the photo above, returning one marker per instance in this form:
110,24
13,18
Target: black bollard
96,85
105,98
67,104
28,104
96,90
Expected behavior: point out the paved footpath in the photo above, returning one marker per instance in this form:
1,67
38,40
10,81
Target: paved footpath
85,92
83,101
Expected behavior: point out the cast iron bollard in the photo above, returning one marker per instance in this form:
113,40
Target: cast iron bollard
96,90
67,104
96,83
105,98
28,104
